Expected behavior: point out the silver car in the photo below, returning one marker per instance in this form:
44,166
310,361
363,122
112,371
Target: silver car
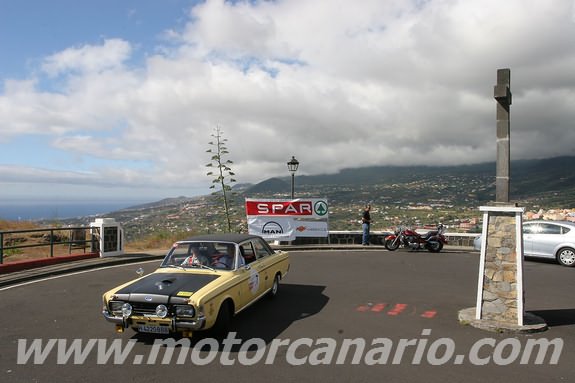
547,239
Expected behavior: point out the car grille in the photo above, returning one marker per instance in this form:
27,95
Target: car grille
143,308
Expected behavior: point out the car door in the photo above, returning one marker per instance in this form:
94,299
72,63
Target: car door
529,230
254,282
544,241
263,255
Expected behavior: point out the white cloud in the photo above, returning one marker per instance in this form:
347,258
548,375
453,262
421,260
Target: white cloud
88,58
337,84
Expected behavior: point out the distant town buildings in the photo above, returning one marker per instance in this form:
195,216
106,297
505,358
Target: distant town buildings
551,215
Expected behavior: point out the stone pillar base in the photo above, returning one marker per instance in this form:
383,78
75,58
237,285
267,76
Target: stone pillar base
531,323
500,295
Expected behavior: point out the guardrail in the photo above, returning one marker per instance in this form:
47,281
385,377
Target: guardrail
461,239
74,238
377,238
86,237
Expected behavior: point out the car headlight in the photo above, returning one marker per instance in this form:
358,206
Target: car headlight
161,311
115,307
126,310
185,311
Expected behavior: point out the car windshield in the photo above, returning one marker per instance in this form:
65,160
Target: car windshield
205,255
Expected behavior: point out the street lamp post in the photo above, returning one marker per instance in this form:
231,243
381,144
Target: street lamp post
292,167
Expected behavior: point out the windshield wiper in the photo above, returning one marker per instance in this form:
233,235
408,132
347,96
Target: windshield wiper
175,266
201,266
204,267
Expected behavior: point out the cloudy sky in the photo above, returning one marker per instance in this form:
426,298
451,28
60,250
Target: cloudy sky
118,99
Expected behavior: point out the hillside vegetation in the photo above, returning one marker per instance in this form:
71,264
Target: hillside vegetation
412,195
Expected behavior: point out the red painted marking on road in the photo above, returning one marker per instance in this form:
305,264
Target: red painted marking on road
429,314
397,309
378,307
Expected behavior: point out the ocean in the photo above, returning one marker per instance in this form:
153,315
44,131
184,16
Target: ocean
39,210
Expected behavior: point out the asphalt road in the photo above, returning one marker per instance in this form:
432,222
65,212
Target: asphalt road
328,299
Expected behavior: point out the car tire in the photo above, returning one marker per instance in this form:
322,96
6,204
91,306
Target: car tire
275,287
566,257
223,321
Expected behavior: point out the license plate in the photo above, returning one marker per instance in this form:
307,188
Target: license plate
154,329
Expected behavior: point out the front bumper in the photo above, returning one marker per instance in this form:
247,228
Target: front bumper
176,325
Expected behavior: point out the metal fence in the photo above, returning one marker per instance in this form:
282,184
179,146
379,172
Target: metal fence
377,238
66,238
76,238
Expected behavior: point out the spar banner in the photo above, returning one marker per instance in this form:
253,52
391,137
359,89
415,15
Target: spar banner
285,220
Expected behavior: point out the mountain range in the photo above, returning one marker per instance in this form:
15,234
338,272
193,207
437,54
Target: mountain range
407,194
527,177
551,178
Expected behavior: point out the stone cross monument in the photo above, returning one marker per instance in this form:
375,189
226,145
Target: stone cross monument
502,94
499,304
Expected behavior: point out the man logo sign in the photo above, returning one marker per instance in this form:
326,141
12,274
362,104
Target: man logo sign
286,220
272,228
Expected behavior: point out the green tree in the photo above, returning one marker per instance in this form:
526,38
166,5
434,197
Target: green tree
222,173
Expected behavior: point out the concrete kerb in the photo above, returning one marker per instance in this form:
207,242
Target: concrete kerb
92,263
531,323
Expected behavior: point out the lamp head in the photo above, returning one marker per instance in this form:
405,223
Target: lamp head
293,164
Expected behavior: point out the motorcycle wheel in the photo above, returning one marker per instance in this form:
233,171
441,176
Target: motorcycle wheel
392,244
434,246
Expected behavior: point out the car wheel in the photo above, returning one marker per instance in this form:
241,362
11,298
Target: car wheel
222,325
566,256
275,287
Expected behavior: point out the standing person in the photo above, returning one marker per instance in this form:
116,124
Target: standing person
365,223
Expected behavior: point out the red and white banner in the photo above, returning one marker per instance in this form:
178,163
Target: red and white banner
284,220
309,208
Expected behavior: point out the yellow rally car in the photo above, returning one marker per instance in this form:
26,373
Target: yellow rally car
201,284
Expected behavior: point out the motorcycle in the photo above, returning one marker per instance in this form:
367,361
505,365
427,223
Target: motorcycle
432,240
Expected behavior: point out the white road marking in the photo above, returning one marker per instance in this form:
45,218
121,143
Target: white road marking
74,273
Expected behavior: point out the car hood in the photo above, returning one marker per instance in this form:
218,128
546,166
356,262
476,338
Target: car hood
159,287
